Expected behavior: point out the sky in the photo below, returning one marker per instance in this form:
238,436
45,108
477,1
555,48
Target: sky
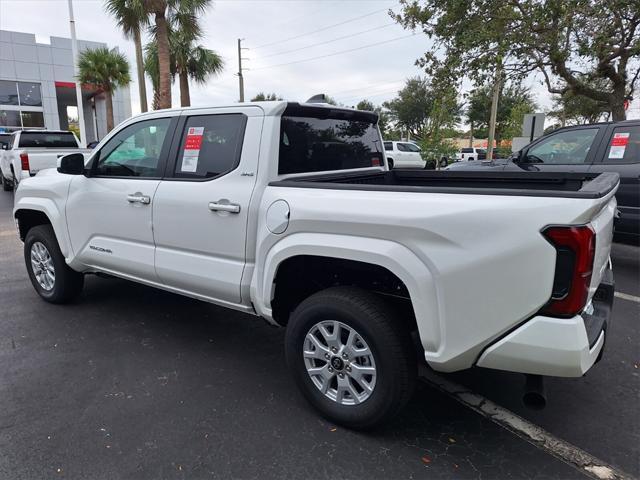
348,49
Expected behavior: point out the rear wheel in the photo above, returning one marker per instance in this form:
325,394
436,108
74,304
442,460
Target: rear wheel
351,357
50,275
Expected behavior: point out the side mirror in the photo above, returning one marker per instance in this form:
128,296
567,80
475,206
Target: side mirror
516,157
72,164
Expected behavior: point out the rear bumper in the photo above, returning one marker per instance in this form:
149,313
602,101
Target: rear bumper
556,346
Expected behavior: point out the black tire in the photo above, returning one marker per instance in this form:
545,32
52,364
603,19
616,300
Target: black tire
68,283
6,185
390,162
388,339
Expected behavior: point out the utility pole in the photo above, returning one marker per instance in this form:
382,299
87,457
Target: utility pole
494,110
240,77
74,53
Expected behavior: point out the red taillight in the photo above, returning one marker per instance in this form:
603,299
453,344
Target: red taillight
577,247
24,161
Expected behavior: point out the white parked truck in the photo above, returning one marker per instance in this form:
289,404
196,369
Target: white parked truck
289,212
30,151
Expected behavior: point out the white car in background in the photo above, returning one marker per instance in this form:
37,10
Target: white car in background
403,155
469,154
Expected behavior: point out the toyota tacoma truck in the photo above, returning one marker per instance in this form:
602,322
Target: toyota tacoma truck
288,211
33,150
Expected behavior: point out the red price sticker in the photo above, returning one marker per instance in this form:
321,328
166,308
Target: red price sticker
194,138
620,139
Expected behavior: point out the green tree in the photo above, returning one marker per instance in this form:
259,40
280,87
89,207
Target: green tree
187,59
515,102
192,62
185,13
152,69
132,18
423,108
576,109
383,115
104,69
583,47
266,97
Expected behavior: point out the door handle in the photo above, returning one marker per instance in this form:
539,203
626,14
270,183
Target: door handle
224,207
138,198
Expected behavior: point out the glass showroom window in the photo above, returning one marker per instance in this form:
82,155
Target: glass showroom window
32,120
20,105
8,93
29,94
10,118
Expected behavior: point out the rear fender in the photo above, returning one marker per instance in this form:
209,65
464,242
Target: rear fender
396,258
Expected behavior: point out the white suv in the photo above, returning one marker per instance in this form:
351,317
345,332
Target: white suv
403,155
469,154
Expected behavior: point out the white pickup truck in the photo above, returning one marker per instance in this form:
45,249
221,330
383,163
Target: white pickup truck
33,150
289,212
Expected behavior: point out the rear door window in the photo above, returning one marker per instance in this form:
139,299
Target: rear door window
211,146
47,140
310,144
388,146
624,145
412,147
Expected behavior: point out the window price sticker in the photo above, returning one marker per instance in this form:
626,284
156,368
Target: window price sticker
619,144
191,153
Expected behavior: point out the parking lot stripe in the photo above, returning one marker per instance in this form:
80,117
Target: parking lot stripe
565,451
626,296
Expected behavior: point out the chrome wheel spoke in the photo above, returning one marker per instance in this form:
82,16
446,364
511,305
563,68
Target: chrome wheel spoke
339,362
42,266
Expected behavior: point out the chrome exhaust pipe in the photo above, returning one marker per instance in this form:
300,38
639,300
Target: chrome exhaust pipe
534,396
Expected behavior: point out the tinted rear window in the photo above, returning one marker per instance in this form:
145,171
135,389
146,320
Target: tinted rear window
5,139
321,144
47,140
467,150
388,146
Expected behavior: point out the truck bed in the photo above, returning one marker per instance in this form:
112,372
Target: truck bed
539,184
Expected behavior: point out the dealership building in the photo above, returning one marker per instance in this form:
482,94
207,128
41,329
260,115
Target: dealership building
37,85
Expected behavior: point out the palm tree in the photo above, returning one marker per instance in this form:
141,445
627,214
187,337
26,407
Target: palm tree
152,69
192,61
188,12
132,17
106,69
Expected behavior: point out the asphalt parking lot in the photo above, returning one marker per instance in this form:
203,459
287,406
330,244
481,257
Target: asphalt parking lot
131,382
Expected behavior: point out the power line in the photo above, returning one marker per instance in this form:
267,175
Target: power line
321,29
337,53
329,41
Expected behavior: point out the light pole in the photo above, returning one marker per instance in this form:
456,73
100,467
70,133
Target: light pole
74,53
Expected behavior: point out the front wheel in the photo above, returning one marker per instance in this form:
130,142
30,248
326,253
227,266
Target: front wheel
351,356
50,275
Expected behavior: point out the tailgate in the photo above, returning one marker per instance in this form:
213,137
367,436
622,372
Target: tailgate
39,160
602,225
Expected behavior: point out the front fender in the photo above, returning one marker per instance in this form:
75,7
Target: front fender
50,209
393,256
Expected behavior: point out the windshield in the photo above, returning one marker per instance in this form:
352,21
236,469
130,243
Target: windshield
309,144
48,140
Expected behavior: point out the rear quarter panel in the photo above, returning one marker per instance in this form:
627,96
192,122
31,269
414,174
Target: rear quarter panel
482,265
